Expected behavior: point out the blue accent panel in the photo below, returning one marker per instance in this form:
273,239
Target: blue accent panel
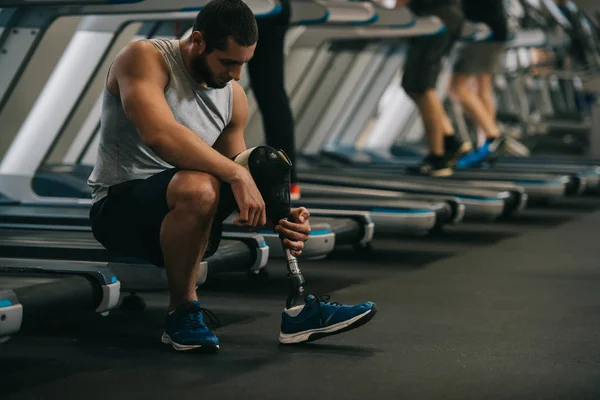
188,9
438,32
263,244
536,182
275,11
321,20
5,15
589,173
320,232
5,303
113,279
399,211
490,199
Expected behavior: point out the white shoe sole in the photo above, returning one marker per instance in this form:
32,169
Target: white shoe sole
290,338
440,173
166,339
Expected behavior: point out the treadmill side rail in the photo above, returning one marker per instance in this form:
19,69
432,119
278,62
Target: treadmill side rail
11,315
110,297
364,218
261,246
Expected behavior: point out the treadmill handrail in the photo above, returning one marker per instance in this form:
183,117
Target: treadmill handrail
48,3
347,12
316,35
308,12
260,8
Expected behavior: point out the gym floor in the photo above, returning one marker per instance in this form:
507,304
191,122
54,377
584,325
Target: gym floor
504,310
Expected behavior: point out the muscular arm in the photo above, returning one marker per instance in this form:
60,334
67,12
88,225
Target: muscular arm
140,75
231,142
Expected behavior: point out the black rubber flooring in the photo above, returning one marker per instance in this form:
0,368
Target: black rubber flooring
509,310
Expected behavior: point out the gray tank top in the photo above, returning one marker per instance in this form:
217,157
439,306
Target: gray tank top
122,156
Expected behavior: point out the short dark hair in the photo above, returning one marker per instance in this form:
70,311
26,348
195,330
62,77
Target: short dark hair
220,19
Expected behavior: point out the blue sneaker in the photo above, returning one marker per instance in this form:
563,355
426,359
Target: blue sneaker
473,159
320,318
185,329
486,153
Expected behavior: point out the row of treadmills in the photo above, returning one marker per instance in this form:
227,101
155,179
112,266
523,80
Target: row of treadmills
342,76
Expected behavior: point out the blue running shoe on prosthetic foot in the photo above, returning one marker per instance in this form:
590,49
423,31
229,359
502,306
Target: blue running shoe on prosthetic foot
320,318
185,329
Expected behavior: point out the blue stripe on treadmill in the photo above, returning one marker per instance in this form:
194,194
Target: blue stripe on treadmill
399,211
274,11
5,303
537,182
189,9
490,199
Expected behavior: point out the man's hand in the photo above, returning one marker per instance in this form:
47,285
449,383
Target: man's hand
295,230
249,200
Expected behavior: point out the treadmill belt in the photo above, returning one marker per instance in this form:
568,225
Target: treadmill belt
30,243
43,294
45,214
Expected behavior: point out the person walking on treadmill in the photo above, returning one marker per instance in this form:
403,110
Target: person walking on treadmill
266,71
173,119
421,71
477,63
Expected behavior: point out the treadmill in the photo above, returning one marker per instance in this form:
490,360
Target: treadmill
402,216
27,289
65,275
326,109
588,175
353,138
94,29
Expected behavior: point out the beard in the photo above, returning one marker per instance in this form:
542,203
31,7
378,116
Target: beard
202,72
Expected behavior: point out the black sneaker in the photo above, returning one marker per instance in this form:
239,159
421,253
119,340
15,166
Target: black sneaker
455,148
433,165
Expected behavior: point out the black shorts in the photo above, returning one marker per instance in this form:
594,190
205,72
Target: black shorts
127,222
424,59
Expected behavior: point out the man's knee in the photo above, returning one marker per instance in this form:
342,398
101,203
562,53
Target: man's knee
197,192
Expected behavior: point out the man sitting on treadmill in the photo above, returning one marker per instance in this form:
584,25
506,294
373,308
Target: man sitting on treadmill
173,119
421,70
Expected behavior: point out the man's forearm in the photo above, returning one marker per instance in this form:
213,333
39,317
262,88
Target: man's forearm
182,148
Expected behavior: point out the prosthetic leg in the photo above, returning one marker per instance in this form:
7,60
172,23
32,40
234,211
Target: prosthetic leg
271,169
